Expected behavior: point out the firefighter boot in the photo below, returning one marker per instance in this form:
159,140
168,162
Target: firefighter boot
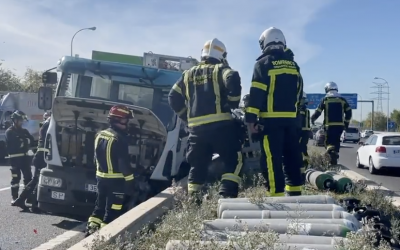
20,201
14,193
91,228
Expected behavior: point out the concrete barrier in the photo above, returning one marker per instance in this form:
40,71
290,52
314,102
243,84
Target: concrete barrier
135,219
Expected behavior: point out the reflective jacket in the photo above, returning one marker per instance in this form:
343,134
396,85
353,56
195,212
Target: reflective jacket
276,89
18,141
112,155
304,114
205,95
337,111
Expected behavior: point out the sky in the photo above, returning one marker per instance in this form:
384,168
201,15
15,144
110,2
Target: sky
348,42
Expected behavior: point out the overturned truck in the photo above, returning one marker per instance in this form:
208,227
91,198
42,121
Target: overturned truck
85,92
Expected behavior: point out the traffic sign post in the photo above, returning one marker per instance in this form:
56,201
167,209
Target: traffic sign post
315,99
391,125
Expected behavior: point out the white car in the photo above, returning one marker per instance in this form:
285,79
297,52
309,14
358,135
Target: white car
379,151
350,134
367,133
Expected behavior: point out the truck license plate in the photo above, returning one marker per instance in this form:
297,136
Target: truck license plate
57,195
91,188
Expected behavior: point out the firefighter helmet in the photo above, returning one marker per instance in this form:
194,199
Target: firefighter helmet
245,100
215,49
18,115
118,113
46,115
331,86
272,38
304,99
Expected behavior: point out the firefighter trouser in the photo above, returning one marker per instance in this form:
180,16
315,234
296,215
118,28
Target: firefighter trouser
332,142
108,206
202,145
304,137
18,165
278,142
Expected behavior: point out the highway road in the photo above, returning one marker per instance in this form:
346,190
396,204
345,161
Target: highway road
20,230
387,178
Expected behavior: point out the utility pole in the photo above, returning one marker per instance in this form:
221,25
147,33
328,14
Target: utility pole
372,113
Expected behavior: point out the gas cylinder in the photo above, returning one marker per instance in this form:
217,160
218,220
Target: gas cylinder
278,207
342,183
286,238
297,228
320,199
187,245
268,214
319,179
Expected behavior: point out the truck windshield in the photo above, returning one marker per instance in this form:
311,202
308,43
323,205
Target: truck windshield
119,89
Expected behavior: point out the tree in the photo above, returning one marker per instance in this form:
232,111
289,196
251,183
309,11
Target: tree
395,116
30,82
379,121
9,82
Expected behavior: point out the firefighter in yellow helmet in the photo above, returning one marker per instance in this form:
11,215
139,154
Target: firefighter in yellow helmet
204,97
275,92
114,173
337,116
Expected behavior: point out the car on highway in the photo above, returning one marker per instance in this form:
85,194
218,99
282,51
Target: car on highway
367,133
379,151
350,134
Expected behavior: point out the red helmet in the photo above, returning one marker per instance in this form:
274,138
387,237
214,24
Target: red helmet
120,111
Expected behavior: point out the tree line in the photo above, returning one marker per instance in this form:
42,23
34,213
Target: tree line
29,82
380,121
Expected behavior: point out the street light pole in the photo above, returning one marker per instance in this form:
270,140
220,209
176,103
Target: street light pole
388,93
361,109
72,40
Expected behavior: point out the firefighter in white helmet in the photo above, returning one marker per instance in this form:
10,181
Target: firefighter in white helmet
275,92
337,116
204,97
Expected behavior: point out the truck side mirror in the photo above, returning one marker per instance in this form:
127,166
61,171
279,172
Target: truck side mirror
49,78
45,98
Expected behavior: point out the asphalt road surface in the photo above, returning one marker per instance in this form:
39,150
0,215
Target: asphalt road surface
20,230
387,178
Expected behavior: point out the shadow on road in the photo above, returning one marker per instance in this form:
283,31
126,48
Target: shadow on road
68,225
389,172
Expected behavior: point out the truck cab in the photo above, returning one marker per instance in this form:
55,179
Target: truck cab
85,93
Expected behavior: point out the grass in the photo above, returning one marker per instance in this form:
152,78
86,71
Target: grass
184,222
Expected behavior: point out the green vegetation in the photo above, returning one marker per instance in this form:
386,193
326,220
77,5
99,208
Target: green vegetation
184,222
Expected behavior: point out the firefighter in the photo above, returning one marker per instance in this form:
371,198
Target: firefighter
39,163
114,173
337,116
19,141
204,97
304,114
275,92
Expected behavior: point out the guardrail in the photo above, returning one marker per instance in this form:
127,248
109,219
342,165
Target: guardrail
135,219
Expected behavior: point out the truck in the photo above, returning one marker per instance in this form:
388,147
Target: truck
27,103
86,90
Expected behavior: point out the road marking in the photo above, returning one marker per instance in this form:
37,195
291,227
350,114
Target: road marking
60,239
8,188
4,189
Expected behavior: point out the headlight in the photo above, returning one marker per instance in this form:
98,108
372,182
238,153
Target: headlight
50,181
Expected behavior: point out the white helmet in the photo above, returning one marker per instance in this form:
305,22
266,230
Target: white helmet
214,48
46,115
272,37
331,86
